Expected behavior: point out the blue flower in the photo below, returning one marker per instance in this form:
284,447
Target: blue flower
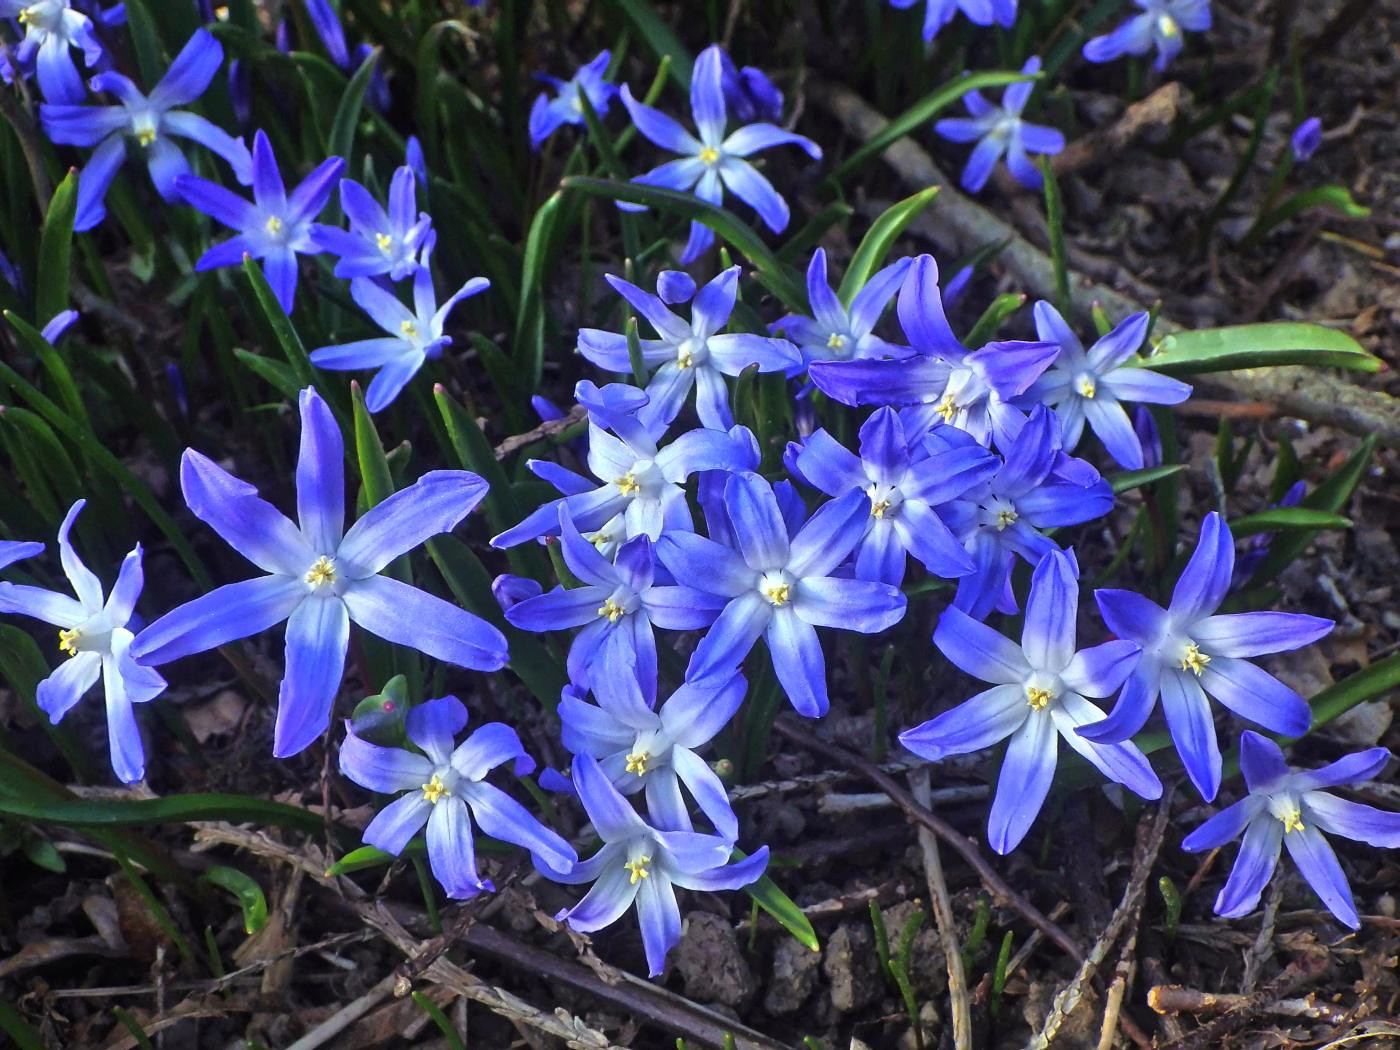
836,333
1000,131
1037,697
781,587
904,482
12,551
548,115
748,93
94,632
149,121
321,577
643,865
1257,548
415,336
1159,26
713,162
640,488
1289,807
377,242
939,13
971,389
1190,653
617,606
274,227
446,789
59,324
327,25
688,355
1089,387
638,748
1037,487
51,27
1307,137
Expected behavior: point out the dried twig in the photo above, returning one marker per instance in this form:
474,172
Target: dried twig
1298,973
1157,110
1262,950
346,1016
961,1006
548,428
1174,999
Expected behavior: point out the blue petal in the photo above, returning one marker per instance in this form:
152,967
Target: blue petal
1099,671
606,902
1051,613
829,536
1192,729
1129,615
612,815
225,614
397,823
866,606
1350,769
1323,873
491,745
59,692
432,505
733,876
1254,694
752,138
387,770
405,615
318,633
320,475
1253,868
1120,762
705,564
1134,706
798,662
501,817
662,130
757,522
1258,633
921,311
707,95
974,725
1207,576
734,352
979,650
660,919
744,180
124,745
1226,826
190,72
1024,781
731,636
434,726
1352,820
451,851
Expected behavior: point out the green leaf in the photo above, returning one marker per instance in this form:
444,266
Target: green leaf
659,37
279,375
245,890
922,112
360,859
1258,346
1127,480
41,852
281,324
1280,518
18,1029
369,452
56,251
1367,684
1055,224
998,310
56,367
529,322
1338,198
347,115
634,354
446,1027
879,239
775,902
172,809
776,277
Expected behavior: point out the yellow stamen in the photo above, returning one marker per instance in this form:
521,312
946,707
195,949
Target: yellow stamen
946,408
322,572
709,155
778,593
600,539
1194,660
274,225
628,485
25,16
1006,518
685,359
878,509
385,242
68,641
1087,387
1037,697
638,868
409,329
637,762
836,341
1292,821
612,611
146,136
1166,25
435,790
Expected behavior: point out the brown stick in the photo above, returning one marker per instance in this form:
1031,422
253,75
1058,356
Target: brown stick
548,428
1295,975
961,1005
1156,110
1174,999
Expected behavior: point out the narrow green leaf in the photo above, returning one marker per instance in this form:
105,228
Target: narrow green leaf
17,1028
143,1041
1258,346
347,115
775,902
281,324
245,890
1055,225
56,251
1337,198
446,1027
1276,519
879,239
279,375
1127,480
1000,308
634,354
172,809
529,322
57,368
1367,684
922,112
360,859
801,243
659,37
378,482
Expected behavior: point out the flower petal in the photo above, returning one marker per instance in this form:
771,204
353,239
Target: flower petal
451,851
318,633
974,725
225,614
1024,781
434,504
320,475
1319,866
979,650
1253,868
387,770
404,615
245,521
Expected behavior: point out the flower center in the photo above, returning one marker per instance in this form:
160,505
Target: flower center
409,329
1086,386
274,225
1292,820
776,589
385,242
638,869
637,763
613,612
1193,660
709,155
628,484
1006,517
600,539
1038,697
947,408
1166,25
836,341
68,641
435,790
321,573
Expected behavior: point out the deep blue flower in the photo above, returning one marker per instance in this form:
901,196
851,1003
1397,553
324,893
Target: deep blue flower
446,789
510,590
1307,137
378,242
1159,26
1190,653
1289,807
640,487
548,115
713,162
781,587
938,13
1090,386
1037,698
94,633
51,28
320,576
999,131
617,606
688,355
905,482
274,227
972,390
641,864
327,25
148,121
749,94
1037,487
638,748
415,336
12,551
59,324
1257,547
835,332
